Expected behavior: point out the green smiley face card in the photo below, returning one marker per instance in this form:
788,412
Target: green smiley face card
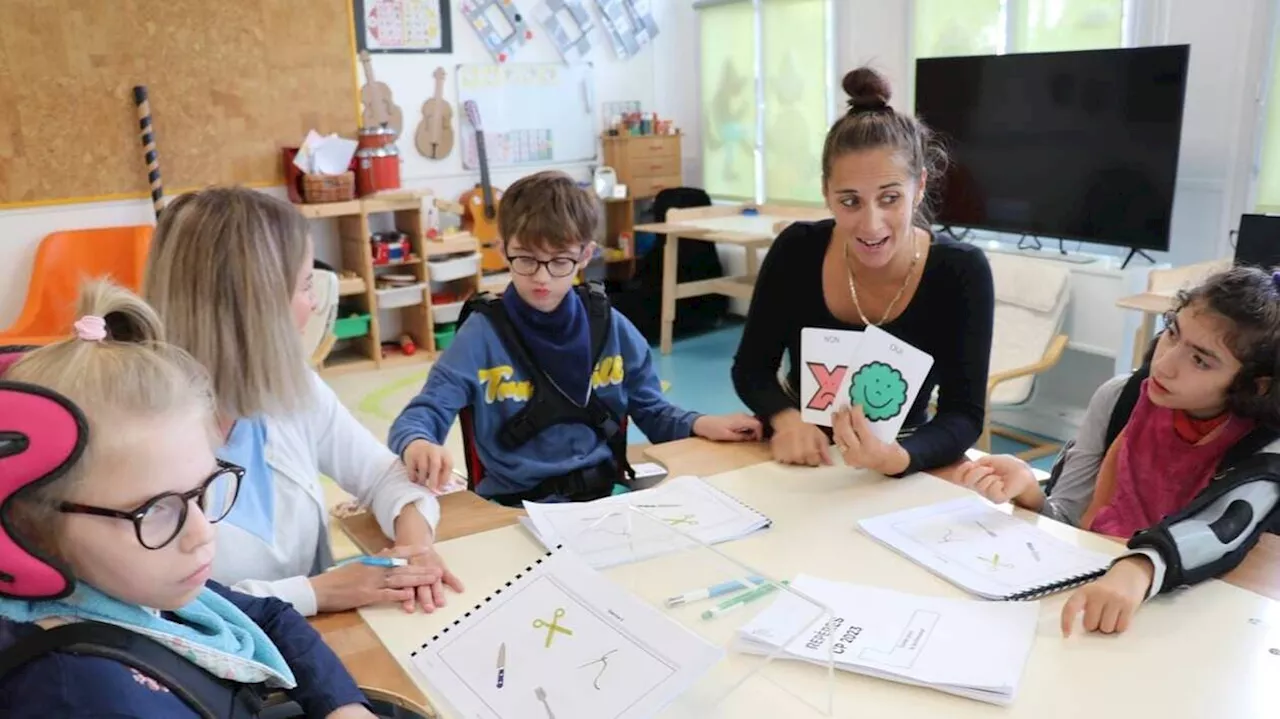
884,379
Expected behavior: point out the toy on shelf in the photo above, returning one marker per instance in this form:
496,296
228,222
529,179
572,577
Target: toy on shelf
407,346
390,248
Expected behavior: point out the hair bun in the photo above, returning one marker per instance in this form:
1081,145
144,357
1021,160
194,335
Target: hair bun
867,89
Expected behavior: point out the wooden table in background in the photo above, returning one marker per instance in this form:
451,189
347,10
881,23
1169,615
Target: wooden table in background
717,224
465,513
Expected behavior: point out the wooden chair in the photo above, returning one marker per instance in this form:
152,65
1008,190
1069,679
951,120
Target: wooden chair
1031,303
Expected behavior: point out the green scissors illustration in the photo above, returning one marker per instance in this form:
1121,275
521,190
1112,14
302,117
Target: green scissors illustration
686,519
553,626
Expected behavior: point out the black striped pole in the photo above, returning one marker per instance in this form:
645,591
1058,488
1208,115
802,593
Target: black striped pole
149,146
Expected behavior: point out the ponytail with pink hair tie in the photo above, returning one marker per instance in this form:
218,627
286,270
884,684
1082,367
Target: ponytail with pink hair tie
91,328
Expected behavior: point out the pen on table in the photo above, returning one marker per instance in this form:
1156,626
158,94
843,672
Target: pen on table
732,585
387,562
738,601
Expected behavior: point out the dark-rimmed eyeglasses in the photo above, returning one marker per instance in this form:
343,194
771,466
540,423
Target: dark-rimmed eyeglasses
529,266
160,519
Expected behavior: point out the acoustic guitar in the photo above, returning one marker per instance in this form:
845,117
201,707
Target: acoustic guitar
481,202
379,109
434,137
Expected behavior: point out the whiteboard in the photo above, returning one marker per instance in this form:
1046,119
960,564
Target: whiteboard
532,113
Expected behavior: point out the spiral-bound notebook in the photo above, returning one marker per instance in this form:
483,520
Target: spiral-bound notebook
959,646
985,551
561,640
606,533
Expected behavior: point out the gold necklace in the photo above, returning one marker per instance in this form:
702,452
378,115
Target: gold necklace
853,291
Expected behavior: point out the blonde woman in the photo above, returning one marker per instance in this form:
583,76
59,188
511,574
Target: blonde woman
229,273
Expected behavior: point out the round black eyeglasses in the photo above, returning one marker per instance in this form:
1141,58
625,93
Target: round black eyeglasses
160,519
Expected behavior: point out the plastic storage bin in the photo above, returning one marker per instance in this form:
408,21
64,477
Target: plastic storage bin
394,297
350,327
453,268
444,314
444,336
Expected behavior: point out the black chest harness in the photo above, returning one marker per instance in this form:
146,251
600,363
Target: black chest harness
549,405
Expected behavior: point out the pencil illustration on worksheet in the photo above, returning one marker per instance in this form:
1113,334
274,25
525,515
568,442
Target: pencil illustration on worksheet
569,644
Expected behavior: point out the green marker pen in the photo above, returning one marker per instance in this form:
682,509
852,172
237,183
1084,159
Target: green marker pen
741,599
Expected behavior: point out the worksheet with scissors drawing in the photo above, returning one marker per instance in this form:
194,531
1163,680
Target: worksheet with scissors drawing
562,642
607,533
982,549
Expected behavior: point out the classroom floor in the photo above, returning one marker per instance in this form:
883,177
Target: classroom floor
697,373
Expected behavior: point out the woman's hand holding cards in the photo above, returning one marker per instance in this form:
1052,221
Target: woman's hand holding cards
860,446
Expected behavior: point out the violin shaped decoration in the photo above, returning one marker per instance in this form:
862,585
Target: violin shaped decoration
379,109
434,137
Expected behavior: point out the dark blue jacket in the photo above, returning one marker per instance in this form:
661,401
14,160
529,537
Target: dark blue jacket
63,685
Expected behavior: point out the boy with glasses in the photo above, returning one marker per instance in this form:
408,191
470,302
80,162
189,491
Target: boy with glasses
548,370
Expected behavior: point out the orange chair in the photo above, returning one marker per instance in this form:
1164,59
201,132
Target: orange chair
64,261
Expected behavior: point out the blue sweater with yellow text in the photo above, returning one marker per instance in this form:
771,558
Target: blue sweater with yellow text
476,371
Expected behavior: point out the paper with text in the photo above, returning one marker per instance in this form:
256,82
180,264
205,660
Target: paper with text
983,550
824,374
971,649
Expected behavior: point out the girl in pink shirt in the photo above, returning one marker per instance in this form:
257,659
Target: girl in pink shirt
1209,388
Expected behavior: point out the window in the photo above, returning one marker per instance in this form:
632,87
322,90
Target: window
1268,181
994,27
766,98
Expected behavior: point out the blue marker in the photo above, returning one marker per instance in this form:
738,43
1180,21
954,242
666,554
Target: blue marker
387,562
714,591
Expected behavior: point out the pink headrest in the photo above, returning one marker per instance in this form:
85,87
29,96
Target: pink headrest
42,435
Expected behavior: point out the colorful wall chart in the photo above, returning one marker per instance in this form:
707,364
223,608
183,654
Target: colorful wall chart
403,26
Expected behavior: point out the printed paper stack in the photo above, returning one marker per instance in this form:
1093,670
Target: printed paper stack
968,648
608,532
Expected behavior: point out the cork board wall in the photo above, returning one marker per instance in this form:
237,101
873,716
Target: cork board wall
230,82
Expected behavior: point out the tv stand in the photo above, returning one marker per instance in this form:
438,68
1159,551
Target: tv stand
1023,246
960,236
1135,251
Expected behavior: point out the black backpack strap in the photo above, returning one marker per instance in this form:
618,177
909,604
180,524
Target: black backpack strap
1248,446
599,316
206,695
535,416
1125,403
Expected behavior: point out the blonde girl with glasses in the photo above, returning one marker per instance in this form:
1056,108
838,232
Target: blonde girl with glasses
130,524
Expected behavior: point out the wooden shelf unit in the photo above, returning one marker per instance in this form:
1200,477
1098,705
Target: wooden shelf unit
646,164
352,216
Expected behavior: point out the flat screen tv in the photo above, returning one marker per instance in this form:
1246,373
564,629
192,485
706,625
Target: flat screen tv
1064,145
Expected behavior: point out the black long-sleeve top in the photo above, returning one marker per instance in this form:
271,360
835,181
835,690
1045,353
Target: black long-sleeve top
950,317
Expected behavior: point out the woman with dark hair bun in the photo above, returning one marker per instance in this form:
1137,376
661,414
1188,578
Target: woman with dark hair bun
876,262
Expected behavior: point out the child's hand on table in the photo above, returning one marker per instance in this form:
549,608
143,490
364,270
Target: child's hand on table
429,464
998,477
1109,602
728,428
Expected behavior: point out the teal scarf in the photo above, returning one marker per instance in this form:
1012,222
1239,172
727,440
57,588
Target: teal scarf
211,632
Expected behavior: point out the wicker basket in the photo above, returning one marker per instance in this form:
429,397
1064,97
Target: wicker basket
329,188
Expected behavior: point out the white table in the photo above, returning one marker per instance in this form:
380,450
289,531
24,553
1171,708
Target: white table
1207,652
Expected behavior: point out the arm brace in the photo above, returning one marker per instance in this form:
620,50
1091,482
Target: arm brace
1215,532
